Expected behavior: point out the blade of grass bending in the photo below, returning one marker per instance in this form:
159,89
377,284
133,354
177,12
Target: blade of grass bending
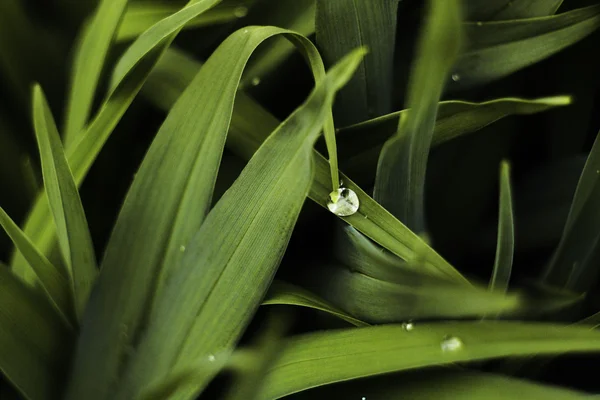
74,236
35,342
501,10
342,25
400,179
217,288
497,49
317,359
138,251
506,234
90,54
139,59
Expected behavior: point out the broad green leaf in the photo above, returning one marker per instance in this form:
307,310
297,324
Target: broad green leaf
151,230
54,280
74,236
131,72
400,179
573,265
282,293
342,25
500,10
326,357
506,234
249,127
90,55
497,49
361,144
35,343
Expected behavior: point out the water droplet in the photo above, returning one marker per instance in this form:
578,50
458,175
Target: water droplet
451,343
455,77
245,31
408,326
479,23
182,248
364,398
255,81
343,202
211,358
240,12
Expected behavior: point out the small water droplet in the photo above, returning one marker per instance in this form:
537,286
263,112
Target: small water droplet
211,358
451,343
343,202
255,81
479,23
455,77
408,326
182,248
364,398
245,31
240,12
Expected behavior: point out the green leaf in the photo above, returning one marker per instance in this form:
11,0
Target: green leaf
152,230
90,55
74,236
342,25
361,144
282,293
131,72
35,343
573,265
326,357
53,280
400,179
505,246
497,49
500,10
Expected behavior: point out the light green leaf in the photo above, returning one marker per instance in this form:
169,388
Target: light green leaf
140,59
282,293
342,25
506,234
497,49
35,343
500,10
326,357
90,54
74,236
400,179
151,230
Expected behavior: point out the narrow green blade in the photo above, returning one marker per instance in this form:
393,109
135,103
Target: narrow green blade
497,49
400,179
343,25
74,236
500,10
506,234
90,54
35,344
321,358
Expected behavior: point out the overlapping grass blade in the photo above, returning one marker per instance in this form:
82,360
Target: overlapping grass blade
74,236
90,55
151,230
53,280
500,10
140,59
35,343
505,246
497,49
326,357
342,25
573,265
400,179
282,293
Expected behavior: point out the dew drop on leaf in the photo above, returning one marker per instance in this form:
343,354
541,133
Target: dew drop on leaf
182,248
211,358
255,81
240,12
455,77
343,202
451,344
408,326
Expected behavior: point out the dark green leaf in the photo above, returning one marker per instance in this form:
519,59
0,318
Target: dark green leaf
500,10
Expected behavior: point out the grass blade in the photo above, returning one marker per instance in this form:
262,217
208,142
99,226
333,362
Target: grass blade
400,179
497,49
342,25
321,358
74,236
500,10
90,55
34,341
506,234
